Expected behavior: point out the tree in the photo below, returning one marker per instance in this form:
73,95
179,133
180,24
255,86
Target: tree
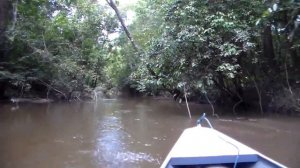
5,10
58,47
214,46
112,4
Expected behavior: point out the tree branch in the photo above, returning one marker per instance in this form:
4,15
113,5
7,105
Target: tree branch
112,4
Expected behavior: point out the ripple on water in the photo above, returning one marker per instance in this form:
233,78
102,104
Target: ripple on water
112,145
135,157
123,111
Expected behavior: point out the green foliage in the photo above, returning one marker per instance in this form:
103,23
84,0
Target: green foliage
195,39
221,46
61,43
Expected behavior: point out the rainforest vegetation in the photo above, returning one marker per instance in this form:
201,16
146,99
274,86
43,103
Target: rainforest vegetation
234,53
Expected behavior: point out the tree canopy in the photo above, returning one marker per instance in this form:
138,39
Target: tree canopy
237,52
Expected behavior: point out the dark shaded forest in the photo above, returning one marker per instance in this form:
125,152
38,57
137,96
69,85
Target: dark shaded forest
241,54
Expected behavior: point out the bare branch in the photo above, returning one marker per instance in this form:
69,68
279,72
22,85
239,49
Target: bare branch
112,4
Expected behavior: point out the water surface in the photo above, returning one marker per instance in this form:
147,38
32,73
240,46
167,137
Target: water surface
124,133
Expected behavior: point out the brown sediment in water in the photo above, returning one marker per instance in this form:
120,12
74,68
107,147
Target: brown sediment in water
125,133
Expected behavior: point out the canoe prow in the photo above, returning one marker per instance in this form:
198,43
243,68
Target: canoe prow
199,147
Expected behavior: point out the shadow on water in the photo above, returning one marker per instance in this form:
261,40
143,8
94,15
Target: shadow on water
121,133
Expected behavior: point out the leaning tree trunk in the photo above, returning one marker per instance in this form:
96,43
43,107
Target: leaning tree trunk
112,4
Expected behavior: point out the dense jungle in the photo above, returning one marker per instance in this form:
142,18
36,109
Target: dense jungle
239,54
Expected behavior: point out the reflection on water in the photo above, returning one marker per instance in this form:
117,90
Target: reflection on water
112,140
123,133
111,145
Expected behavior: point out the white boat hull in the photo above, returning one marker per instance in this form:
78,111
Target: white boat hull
199,147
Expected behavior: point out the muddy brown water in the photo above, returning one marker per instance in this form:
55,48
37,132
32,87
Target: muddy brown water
124,133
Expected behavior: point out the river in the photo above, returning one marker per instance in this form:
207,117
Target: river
124,133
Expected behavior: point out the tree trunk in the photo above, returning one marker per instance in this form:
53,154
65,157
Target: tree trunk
268,48
226,93
2,89
112,4
5,16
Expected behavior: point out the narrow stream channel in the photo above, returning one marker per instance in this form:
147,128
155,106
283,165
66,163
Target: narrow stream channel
124,133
